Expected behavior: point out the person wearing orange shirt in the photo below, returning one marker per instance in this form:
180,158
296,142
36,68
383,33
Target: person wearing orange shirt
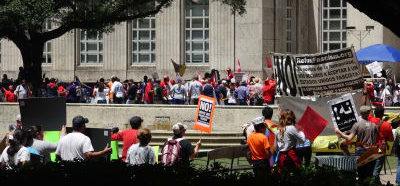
259,149
111,95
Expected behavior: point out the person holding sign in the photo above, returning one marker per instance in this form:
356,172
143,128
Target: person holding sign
367,134
177,149
259,149
77,146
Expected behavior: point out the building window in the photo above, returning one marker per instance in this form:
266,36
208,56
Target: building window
334,22
197,31
289,19
143,40
91,47
46,59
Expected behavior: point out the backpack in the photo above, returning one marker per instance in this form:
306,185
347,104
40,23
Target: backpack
171,151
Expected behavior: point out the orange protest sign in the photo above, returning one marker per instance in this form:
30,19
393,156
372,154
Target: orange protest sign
205,112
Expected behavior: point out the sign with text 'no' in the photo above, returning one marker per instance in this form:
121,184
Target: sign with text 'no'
205,112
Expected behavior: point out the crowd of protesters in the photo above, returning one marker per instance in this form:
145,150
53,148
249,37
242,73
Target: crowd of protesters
226,90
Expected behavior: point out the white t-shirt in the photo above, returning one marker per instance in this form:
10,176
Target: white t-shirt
22,155
396,96
117,89
195,88
101,95
22,92
74,146
178,92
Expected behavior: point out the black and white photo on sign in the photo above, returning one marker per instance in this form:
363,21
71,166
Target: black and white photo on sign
322,74
343,112
205,109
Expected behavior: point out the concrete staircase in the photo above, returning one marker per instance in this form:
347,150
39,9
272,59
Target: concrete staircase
209,141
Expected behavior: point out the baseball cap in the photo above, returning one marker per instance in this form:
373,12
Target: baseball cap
135,120
365,109
258,120
179,128
165,77
79,120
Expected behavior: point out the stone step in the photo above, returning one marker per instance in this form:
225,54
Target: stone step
196,133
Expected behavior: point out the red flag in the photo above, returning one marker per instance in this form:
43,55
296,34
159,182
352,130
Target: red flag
198,74
239,69
312,123
248,79
214,81
269,64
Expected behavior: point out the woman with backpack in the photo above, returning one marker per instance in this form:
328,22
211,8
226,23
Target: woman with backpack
286,138
141,153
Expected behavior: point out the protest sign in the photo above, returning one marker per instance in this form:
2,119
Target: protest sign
322,74
312,123
98,136
52,137
205,112
374,68
299,105
49,113
239,76
343,112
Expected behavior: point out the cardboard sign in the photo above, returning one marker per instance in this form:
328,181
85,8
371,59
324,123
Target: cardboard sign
312,123
49,113
343,112
98,136
205,112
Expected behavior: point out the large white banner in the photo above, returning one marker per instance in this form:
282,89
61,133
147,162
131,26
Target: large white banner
322,74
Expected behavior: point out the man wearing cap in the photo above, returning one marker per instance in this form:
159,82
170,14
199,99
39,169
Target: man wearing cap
129,136
195,89
186,149
77,146
367,134
259,148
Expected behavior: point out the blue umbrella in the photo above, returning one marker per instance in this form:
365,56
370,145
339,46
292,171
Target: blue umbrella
379,53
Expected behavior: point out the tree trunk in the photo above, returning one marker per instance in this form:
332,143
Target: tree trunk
32,55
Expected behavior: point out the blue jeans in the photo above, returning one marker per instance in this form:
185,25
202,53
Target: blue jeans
398,171
378,167
178,101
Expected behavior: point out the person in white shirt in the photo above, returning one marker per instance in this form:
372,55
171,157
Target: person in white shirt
22,90
16,153
178,92
77,146
195,89
118,90
43,147
396,96
101,92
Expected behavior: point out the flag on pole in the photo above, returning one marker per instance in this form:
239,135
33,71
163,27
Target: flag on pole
239,69
198,74
269,64
248,79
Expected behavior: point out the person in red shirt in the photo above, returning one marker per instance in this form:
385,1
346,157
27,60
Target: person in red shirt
61,90
269,91
149,92
9,94
385,135
229,73
165,87
129,137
